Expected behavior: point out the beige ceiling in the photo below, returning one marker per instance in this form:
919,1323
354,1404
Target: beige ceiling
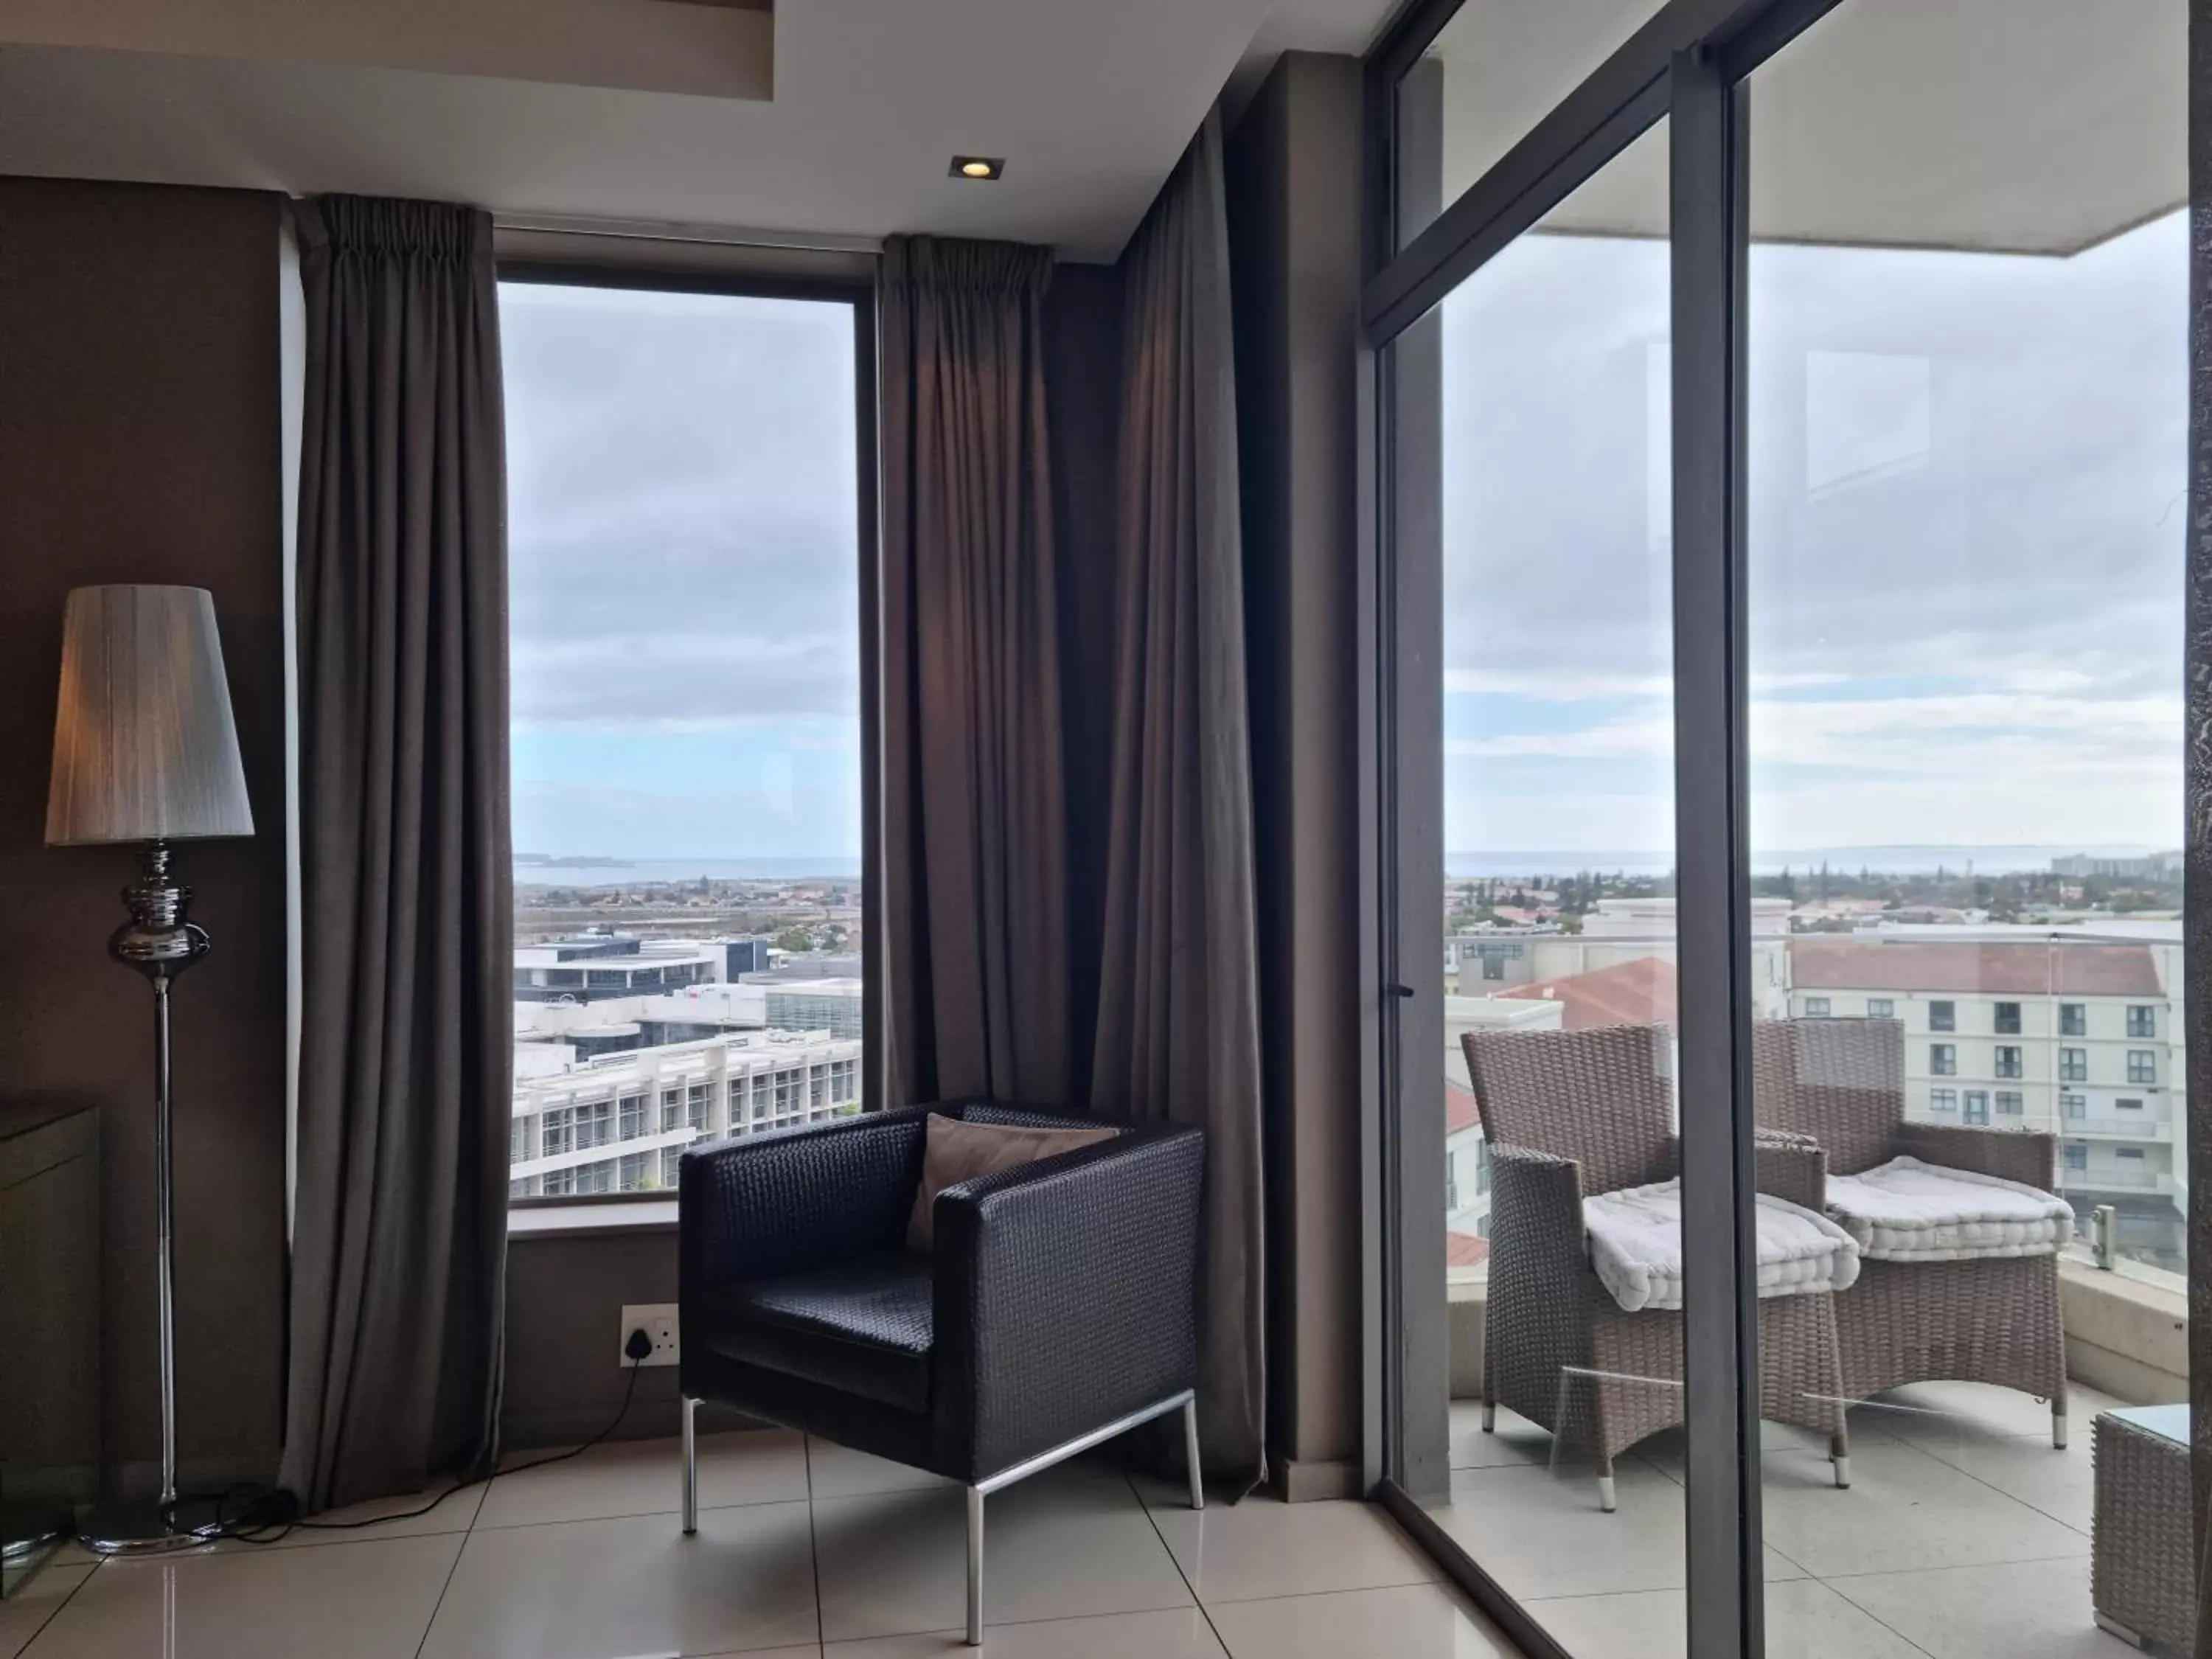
830,117
2040,126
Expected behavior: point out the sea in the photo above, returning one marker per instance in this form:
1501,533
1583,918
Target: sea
1897,860
633,871
1901,860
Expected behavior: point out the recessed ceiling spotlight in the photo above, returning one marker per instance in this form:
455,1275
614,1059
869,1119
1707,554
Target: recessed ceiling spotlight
978,166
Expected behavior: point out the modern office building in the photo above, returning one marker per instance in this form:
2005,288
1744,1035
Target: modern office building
620,1123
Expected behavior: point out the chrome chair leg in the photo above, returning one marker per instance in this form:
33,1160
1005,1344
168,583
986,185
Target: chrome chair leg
974,1566
690,1466
1190,1453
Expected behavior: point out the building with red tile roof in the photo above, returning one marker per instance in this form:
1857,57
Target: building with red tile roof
1638,992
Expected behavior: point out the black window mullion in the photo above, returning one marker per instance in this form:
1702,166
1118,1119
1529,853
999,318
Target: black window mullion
1710,251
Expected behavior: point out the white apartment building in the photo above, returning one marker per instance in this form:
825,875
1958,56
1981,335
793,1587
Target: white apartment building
2073,1034
619,1123
1484,963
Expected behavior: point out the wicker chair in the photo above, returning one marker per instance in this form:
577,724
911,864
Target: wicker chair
1568,1114
1841,1081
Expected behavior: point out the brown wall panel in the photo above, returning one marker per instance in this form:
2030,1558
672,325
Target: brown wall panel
139,443
1294,222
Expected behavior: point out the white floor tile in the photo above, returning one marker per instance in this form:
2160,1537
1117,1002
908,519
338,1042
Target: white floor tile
632,1585
1070,1543
1413,1622
452,1514
1517,1440
1906,1510
841,1472
645,1477
1262,1547
2061,1484
2021,1611
1805,1620
1541,1534
1182,1633
1978,1410
369,1600
26,1610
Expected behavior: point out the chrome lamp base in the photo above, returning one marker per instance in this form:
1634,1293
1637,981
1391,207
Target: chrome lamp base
148,1527
161,941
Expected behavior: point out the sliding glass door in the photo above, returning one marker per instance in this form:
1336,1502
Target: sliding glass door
1968,319
1781,576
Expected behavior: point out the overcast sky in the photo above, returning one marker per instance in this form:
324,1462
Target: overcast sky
683,533
1966,556
1967,523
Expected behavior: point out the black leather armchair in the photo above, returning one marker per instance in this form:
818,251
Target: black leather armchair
1057,1310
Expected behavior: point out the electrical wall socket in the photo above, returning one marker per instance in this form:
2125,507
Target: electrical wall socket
658,1320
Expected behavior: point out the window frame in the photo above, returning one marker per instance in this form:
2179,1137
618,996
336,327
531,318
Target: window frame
642,261
2074,1020
1942,1014
2143,1068
2072,1065
2005,1018
1689,62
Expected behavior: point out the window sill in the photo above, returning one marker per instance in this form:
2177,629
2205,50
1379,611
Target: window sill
591,1219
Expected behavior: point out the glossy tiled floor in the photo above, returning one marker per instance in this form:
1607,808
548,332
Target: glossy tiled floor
1964,1535
802,1549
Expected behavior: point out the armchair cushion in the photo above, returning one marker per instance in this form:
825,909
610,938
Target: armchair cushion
863,1325
955,1152
1908,1210
1636,1247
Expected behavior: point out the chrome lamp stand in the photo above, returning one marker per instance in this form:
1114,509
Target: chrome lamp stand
160,943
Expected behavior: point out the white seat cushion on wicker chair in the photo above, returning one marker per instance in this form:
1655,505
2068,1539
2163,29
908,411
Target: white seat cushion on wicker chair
1634,1237
1908,1210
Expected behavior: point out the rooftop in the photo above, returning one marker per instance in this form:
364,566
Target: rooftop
2049,969
1637,992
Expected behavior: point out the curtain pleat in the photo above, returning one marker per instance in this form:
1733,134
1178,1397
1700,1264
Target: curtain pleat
975,965
1178,1027
399,1244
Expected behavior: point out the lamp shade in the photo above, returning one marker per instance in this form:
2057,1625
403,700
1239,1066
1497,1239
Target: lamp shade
144,748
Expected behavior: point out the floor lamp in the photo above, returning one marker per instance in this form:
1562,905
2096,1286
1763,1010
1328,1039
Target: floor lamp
145,752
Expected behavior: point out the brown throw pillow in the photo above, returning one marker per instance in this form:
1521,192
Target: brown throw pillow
957,1152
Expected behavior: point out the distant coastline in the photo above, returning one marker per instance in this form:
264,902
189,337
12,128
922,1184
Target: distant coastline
537,871
1897,860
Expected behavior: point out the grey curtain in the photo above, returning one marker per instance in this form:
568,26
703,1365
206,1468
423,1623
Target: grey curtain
976,972
400,1242
1178,1029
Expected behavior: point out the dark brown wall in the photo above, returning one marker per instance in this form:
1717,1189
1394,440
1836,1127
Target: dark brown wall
1294,206
139,443
565,1379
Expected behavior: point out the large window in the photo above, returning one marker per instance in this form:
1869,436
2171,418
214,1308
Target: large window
686,509
1781,578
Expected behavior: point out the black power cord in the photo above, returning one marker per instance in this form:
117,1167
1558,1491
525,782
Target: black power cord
267,1515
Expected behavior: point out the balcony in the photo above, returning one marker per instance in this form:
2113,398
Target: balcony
2108,1178
2120,1125
1963,1535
